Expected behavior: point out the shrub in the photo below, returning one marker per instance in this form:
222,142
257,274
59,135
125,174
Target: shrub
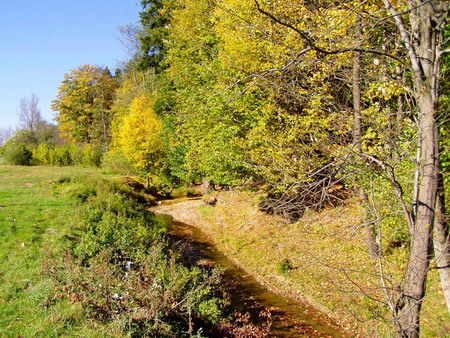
66,155
91,155
16,154
41,154
154,296
76,154
284,267
46,154
61,156
117,163
125,274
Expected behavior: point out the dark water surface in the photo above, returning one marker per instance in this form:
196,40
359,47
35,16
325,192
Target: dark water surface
289,318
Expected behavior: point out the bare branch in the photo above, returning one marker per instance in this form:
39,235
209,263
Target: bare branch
406,38
29,113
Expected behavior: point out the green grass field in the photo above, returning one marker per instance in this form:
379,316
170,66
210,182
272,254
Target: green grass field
32,220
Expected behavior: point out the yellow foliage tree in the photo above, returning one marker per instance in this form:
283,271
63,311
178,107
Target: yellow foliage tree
83,105
139,136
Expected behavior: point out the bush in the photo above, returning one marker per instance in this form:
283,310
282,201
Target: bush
91,156
85,155
46,154
61,156
66,155
16,154
123,271
117,163
284,267
41,154
154,296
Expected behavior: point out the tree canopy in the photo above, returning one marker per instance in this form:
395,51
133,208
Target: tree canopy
84,104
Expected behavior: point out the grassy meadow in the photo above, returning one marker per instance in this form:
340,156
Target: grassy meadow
31,221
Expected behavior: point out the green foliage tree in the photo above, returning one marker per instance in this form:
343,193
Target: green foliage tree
205,123
155,18
16,153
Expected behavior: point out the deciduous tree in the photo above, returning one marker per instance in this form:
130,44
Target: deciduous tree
29,113
84,105
420,26
139,136
6,134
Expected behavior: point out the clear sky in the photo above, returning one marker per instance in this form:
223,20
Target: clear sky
42,40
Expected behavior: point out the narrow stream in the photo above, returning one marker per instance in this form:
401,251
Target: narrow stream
289,318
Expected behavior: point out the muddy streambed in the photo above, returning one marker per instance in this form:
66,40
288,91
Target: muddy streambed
289,318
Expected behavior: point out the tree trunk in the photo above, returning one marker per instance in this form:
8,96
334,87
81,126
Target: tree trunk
410,301
208,186
422,42
357,131
441,241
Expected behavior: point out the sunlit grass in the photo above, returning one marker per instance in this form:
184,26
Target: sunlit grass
330,265
31,219
64,236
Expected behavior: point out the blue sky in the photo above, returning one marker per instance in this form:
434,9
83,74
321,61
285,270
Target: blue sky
42,40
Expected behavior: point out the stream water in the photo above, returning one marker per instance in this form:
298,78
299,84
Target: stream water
289,318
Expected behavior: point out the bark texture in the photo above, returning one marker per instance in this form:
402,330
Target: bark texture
441,241
422,41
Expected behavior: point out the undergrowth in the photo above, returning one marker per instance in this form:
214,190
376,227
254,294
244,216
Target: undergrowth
80,255
122,270
128,277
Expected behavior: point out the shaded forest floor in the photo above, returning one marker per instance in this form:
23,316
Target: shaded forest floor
321,259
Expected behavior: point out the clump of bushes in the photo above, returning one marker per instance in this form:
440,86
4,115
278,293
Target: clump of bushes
23,149
124,273
117,163
16,154
66,155
46,154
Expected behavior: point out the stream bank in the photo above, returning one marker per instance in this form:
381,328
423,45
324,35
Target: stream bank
288,318
215,228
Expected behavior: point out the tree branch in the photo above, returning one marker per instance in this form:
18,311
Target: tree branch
312,44
415,63
396,185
